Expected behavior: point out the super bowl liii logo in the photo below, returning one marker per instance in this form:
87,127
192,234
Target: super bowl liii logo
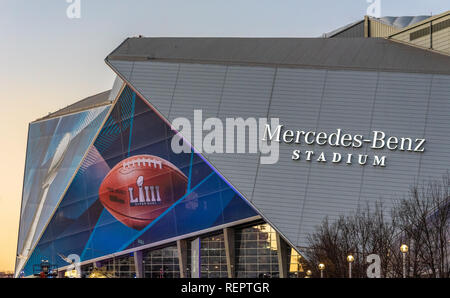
377,140
148,195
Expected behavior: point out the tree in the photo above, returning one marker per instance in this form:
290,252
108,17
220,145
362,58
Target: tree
421,220
360,234
424,223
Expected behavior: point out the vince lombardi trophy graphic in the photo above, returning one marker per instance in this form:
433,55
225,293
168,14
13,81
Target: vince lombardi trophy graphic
50,177
52,172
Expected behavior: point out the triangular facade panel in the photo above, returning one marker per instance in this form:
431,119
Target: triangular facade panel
133,190
55,150
320,95
176,90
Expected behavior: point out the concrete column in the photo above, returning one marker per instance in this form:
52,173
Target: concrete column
138,264
366,26
195,258
61,273
182,257
283,262
431,35
228,236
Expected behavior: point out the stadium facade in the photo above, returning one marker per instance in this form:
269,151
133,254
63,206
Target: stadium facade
358,120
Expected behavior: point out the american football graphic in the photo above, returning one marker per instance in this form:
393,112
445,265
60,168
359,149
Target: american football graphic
140,188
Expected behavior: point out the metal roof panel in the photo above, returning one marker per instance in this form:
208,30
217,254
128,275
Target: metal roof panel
90,102
356,53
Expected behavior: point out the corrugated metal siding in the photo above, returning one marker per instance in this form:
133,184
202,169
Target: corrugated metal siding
296,195
404,36
441,38
248,88
355,31
157,81
280,190
333,189
378,29
198,87
437,129
124,66
439,41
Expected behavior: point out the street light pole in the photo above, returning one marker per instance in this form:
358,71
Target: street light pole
321,268
404,250
350,260
404,264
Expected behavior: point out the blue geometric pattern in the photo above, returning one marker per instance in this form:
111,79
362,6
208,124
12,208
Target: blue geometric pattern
81,225
55,150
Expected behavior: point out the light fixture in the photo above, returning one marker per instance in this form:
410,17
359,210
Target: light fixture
321,268
308,274
404,248
350,260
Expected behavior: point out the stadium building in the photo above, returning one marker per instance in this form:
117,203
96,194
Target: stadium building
124,184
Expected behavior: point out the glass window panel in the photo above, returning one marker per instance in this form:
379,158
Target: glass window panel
161,263
256,252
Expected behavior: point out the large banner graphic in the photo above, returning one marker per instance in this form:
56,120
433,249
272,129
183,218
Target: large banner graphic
133,190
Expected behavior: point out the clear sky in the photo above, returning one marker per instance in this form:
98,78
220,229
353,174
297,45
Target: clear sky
48,61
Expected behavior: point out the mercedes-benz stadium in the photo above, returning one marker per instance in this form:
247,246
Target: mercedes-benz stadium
156,177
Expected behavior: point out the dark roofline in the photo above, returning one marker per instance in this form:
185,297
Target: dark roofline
342,29
94,101
374,54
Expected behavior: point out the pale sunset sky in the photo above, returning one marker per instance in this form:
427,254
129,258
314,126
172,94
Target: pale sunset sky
48,61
